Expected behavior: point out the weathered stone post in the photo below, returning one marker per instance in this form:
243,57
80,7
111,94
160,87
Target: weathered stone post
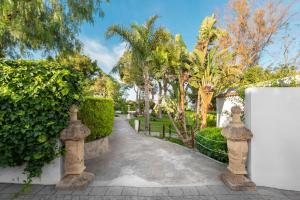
74,175
237,136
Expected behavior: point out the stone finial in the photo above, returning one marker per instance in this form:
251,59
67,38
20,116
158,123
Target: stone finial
236,113
76,130
236,129
73,113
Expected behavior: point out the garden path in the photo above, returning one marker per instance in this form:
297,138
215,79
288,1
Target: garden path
141,161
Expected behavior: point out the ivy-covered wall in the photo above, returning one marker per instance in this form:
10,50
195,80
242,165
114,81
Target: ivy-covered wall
35,97
98,115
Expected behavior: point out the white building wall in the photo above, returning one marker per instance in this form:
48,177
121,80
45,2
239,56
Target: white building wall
273,116
52,174
224,105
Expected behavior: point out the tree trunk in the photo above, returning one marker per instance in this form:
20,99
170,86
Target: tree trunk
139,102
159,100
198,103
165,87
147,102
187,141
206,97
137,99
181,114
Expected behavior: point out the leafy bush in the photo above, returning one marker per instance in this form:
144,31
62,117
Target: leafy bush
35,97
175,140
210,142
211,118
97,114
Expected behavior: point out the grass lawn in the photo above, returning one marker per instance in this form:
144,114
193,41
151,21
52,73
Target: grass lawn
156,124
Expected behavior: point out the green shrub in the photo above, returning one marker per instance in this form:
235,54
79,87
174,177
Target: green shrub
35,97
97,114
211,120
175,140
210,142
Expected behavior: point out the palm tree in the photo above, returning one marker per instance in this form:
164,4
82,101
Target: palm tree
161,67
142,40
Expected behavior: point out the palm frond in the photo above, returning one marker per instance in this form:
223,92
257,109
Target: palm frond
117,30
150,23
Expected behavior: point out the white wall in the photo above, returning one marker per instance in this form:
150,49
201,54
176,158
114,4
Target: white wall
224,105
273,116
52,174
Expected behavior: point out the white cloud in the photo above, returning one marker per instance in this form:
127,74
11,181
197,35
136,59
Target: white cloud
106,57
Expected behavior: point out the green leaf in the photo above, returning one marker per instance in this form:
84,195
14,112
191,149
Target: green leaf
37,155
42,138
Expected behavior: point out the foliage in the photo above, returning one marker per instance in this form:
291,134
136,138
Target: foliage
210,142
81,63
157,123
179,67
270,77
128,72
175,140
211,118
212,69
104,86
98,115
107,87
254,75
251,28
44,25
35,97
131,75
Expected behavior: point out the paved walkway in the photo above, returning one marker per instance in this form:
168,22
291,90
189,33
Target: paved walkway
143,161
138,167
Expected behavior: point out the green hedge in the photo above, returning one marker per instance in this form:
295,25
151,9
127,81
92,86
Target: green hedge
97,114
175,140
35,97
210,142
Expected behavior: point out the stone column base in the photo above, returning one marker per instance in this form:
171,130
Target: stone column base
75,182
237,182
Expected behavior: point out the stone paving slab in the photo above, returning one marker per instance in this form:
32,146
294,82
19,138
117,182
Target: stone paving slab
211,192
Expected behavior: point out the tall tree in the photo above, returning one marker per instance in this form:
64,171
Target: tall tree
179,64
82,63
210,65
142,39
251,28
43,25
161,57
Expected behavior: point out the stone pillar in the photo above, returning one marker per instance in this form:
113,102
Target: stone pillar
74,175
237,136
